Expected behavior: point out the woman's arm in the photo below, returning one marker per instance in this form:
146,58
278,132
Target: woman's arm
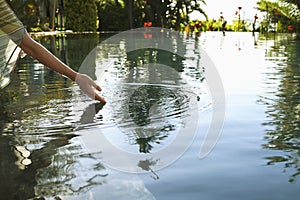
39,52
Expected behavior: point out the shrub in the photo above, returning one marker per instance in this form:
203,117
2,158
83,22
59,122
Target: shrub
81,15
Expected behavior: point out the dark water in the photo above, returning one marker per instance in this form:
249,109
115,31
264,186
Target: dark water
51,134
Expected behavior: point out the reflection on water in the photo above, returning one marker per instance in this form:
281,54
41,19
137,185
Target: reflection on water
146,165
42,113
151,92
40,154
150,99
19,171
150,115
282,99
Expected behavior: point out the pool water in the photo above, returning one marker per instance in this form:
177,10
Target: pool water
52,136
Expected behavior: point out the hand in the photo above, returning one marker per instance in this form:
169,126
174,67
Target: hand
88,86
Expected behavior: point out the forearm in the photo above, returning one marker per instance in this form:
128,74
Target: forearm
45,57
40,53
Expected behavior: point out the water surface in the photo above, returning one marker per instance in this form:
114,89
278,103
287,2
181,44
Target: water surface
43,118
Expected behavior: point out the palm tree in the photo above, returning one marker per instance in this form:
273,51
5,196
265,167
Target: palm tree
288,10
293,8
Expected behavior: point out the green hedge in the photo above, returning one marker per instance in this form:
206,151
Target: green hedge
112,16
81,15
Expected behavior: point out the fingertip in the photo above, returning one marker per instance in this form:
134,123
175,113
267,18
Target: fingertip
99,98
95,85
98,88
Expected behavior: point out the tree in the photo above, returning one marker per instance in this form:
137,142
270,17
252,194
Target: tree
129,7
171,13
126,14
30,12
284,13
293,7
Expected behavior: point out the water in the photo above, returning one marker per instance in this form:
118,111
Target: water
52,135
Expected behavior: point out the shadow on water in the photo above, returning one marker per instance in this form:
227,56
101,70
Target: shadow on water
282,104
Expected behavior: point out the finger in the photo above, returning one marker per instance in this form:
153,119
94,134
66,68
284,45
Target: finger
98,88
99,98
95,85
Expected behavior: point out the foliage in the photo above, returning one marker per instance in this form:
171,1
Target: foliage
290,10
112,16
120,15
36,15
279,15
80,15
28,11
170,14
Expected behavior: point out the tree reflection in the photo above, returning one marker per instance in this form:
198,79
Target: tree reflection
146,128
152,108
19,178
152,111
283,109
150,96
39,152
145,165
40,157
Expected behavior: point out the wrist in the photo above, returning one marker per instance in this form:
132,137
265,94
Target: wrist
73,75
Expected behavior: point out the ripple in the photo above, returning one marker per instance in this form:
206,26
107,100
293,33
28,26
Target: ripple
146,117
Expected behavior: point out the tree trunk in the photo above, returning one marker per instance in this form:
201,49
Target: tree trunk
130,10
54,4
298,31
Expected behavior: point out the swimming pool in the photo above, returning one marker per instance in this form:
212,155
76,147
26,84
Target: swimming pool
52,135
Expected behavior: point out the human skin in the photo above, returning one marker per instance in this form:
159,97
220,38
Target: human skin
40,53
